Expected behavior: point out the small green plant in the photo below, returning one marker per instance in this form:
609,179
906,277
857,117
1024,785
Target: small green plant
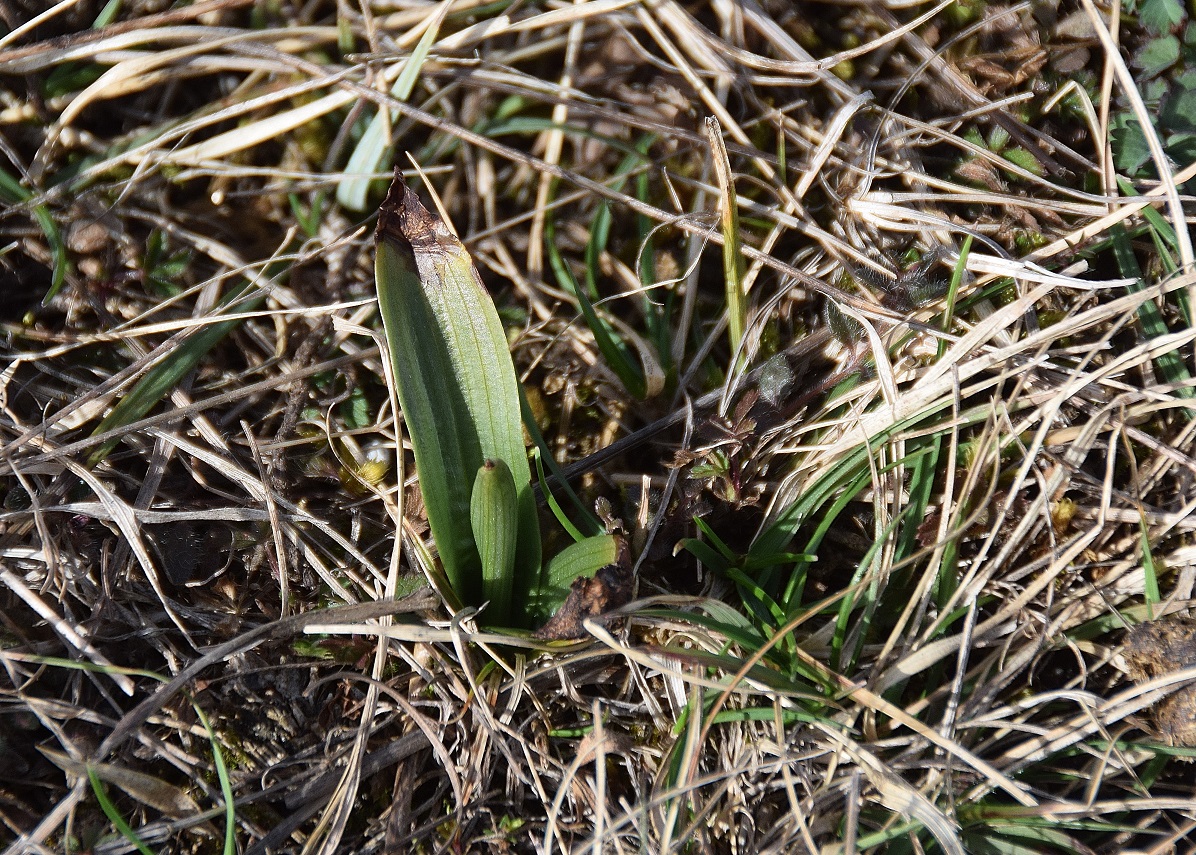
163,265
1166,65
460,398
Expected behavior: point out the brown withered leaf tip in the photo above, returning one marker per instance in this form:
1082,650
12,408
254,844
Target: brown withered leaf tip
404,220
591,598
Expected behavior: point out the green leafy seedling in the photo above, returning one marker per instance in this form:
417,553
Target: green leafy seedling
460,399
455,381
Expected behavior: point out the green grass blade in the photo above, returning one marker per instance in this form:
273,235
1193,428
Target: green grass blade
851,602
791,517
704,553
553,505
599,237
107,14
1157,222
957,274
614,349
1170,364
1150,567
589,524
110,811
758,601
13,193
163,377
371,149
717,542
921,488
226,787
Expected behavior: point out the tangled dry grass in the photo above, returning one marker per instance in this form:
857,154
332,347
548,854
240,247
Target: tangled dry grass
211,630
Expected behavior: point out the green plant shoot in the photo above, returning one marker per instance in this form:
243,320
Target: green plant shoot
457,387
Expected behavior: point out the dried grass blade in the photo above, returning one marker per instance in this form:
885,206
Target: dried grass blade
147,789
733,267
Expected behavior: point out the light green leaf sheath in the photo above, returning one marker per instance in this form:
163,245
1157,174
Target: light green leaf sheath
456,385
494,513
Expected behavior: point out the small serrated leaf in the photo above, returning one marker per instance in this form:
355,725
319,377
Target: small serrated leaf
1130,150
1182,149
1158,55
1159,16
1178,111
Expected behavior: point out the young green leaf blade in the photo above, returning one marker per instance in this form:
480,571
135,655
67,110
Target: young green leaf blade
614,349
12,193
371,149
493,514
456,384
